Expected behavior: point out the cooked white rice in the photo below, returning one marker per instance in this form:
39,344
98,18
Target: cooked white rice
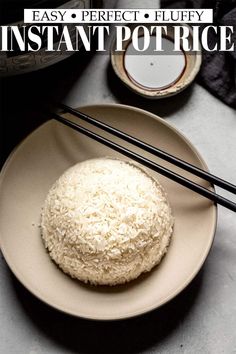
106,221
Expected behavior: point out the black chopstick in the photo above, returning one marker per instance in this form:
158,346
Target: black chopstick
148,163
153,150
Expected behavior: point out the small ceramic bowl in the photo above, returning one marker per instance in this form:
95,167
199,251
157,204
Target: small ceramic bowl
191,68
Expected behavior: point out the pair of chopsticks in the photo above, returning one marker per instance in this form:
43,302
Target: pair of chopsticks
148,163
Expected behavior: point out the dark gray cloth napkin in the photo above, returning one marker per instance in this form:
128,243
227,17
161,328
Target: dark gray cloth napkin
218,72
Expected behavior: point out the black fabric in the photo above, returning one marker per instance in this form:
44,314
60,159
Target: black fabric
218,72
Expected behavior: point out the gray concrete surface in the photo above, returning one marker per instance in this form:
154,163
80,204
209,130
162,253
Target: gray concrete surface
200,320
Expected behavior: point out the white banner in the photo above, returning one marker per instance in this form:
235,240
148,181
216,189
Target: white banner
118,16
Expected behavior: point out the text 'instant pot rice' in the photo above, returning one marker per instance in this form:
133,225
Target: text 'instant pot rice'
106,221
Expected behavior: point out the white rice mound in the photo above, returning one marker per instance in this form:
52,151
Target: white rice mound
106,221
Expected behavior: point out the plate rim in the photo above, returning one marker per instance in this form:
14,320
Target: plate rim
145,310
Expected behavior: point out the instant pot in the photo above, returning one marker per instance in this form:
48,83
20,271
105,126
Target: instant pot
12,13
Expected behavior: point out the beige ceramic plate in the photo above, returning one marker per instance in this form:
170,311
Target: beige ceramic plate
40,160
